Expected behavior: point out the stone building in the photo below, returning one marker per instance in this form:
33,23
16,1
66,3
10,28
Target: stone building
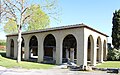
78,43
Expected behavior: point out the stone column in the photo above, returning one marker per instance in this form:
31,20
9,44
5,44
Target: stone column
15,48
58,50
40,49
72,54
101,52
80,51
54,53
67,53
94,53
26,48
8,47
106,51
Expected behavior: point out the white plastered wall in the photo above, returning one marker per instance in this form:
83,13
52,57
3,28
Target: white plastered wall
8,46
81,35
95,35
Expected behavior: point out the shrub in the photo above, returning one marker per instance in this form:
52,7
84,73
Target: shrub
113,54
2,43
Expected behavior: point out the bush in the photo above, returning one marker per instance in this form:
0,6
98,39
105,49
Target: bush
113,54
2,43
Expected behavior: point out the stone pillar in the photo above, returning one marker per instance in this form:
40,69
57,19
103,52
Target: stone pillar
58,50
26,48
15,48
81,51
97,54
85,50
101,52
72,54
54,53
94,51
106,51
67,53
8,47
40,49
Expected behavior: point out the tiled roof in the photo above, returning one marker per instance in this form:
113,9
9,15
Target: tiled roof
58,28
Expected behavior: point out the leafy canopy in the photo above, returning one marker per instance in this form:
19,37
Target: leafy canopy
38,20
10,26
16,10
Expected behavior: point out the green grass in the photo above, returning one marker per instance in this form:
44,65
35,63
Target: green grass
109,64
10,63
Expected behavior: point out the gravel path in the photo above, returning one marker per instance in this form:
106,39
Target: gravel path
54,71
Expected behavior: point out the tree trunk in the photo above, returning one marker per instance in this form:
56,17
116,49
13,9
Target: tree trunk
19,45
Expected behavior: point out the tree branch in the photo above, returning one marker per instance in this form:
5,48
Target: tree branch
24,10
26,18
11,10
19,2
13,5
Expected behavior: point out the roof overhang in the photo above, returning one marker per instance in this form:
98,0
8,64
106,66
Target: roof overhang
59,28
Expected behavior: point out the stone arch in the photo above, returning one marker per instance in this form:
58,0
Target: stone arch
104,50
11,48
33,47
90,48
99,45
69,48
49,46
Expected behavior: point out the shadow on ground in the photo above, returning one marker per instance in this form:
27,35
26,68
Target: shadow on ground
3,54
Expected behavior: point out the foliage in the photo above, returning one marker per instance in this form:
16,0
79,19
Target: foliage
116,29
39,19
10,26
16,10
23,64
2,43
113,54
109,64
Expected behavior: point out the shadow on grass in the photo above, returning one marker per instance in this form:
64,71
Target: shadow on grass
33,60
3,53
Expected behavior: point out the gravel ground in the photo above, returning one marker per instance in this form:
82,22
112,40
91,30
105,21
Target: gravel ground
54,71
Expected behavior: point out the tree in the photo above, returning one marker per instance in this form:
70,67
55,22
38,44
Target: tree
116,29
10,26
16,10
2,42
113,54
37,20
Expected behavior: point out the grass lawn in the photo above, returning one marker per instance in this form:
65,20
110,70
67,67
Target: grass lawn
10,63
109,64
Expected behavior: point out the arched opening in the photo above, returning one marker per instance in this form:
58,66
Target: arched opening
69,49
11,48
98,49
33,48
49,49
90,49
22,49
104,51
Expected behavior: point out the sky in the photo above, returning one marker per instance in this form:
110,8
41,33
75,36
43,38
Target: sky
94,13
